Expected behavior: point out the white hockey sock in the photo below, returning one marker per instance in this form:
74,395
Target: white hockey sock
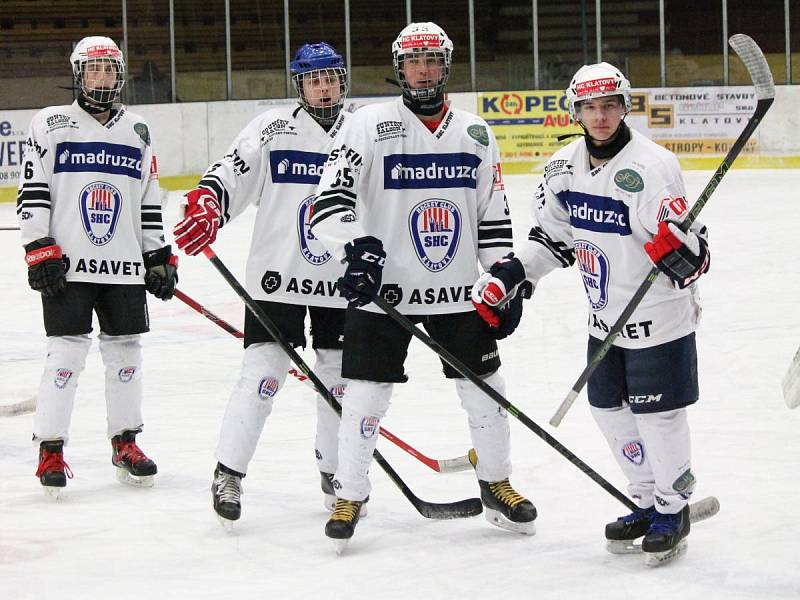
66,359
364,405
631,453
488,427
264,369
329,369
122,357
666,435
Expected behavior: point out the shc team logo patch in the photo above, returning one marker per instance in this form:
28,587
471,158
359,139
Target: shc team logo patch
62,378
100,207
369,427
435,227
125,374
311,248
267,387
594,269
634,452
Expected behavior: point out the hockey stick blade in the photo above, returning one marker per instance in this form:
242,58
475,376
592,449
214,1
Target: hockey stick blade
791,383
703,509
22,407
761,77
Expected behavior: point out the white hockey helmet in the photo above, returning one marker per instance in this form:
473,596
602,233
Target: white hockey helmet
100,53
597,81
422,39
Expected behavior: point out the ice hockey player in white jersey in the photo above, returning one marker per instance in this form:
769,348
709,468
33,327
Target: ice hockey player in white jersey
611,201
89,209
413,196
275,162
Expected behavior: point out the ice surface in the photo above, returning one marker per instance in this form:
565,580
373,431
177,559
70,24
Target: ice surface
104,538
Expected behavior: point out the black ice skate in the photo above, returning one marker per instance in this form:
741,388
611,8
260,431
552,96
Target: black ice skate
133,467
329,494
226,490
342,524
666,540
507,509
53,471
621,535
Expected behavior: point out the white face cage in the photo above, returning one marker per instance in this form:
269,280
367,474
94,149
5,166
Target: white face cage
316,91
425,56
100,78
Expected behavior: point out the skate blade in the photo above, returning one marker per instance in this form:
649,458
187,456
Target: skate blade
227,524
340,545
52,492
123,476
624,546
657,559
498,519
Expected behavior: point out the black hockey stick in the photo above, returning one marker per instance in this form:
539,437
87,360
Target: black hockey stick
752,57
450,510
446,465
406,324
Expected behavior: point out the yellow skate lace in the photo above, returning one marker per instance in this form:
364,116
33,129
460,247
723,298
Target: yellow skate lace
345,510
505,493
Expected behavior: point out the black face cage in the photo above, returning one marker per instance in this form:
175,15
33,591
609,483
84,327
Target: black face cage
426,93
324,113
104,95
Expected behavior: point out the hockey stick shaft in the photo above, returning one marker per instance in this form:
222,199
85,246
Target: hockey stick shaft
464,370
791,383
451,510
449,465
9,227
758,68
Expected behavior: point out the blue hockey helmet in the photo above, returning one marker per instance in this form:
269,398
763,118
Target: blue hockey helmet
320,78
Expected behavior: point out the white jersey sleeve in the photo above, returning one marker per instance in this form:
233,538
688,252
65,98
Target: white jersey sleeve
334,221
33,194
238,177
495,237
152,207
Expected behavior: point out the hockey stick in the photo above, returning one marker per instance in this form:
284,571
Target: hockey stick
752,57
448,465
450,510
700,510
22,407
9,227
791,383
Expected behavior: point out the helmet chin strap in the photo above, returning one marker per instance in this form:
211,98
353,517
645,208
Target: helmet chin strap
427,108
617,141
92,106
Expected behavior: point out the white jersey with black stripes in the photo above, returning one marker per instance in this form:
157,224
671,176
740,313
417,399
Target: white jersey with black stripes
275,163
435,199
94,189
600,218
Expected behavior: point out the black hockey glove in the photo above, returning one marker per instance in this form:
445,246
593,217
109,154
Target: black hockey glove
161,272
362,278
47,272
681,256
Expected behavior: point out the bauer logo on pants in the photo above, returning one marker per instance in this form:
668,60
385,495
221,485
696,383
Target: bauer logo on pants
62,378
369,427
593,265
435,227
100,207
634,452
311,248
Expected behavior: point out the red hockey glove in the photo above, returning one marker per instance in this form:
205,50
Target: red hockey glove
46,268
497,298
681,256
200,223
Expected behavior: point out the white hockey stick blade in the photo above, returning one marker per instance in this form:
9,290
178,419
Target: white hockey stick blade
454,465
22,407
757,66
791,383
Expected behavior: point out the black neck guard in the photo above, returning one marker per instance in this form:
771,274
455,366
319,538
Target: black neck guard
426,108
621,137
92,106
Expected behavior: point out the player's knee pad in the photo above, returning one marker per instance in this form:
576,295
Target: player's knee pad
264,370
122,356
367,397
479,406
328,368
67,352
